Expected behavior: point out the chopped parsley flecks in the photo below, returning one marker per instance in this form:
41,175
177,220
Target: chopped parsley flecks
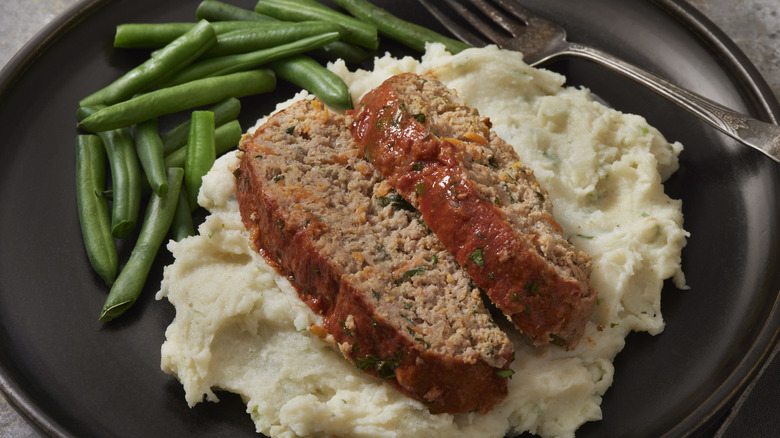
507,374
384,368
409,274
382,253
557,340
512,199
395,200
554,159
425,226
476,257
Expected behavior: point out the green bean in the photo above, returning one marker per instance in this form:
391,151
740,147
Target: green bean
178,98
149,147
224,112
227,64
341,50
313,3
157,220
352,29
309,74
200,153
156,35
212,10
125,176
215,11
170,59
268,34
226,137
93,211
148,35
182,225
408,34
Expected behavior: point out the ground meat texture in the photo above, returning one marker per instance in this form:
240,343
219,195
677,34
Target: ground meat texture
485,206
393,300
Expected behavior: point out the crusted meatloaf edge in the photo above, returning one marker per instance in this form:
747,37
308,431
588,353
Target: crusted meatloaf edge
485,206
290,239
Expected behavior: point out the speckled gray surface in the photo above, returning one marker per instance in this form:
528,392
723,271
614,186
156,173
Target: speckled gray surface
753,24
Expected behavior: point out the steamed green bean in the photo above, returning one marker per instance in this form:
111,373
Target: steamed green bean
409,34
352,29
200,153
227,64
92,206
224,111
178,98
170,59
309,74
149,147
226,137
157,221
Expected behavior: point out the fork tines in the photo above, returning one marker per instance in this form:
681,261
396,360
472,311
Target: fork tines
457,29
482,16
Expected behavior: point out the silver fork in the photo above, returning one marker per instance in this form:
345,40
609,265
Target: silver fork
540,40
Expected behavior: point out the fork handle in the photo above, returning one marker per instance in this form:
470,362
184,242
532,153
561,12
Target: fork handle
762,136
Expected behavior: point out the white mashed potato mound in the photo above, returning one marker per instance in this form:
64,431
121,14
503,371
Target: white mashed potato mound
240,326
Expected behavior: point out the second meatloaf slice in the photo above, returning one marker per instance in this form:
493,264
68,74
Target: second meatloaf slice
392,298
483,204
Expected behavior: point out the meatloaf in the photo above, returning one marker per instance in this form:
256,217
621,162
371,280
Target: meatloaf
486,208
393,300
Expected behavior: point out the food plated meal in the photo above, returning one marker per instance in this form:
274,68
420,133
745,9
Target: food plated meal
629,359
303,158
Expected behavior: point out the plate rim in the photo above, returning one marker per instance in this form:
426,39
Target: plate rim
739,67
764,342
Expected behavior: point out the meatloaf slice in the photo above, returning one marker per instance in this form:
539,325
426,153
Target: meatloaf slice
485,206
392,298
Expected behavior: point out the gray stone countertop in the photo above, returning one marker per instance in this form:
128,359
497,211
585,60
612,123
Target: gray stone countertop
754,25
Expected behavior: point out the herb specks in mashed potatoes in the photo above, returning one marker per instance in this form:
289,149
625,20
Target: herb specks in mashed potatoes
240,326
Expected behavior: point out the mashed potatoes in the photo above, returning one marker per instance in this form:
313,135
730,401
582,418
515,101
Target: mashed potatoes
240,327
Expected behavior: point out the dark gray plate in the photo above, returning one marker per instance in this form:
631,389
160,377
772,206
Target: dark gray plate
74,376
